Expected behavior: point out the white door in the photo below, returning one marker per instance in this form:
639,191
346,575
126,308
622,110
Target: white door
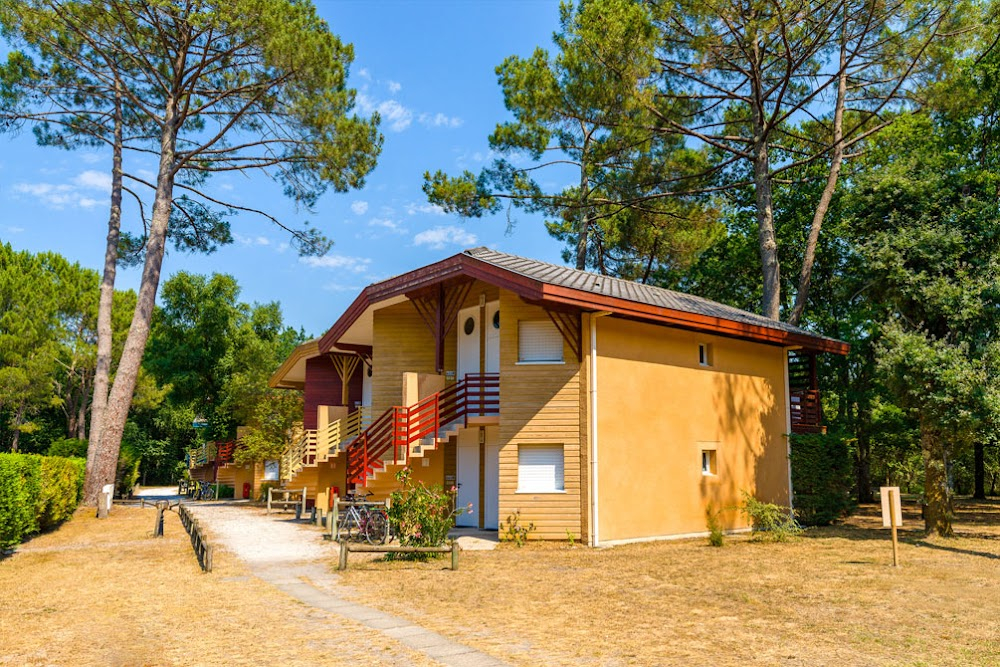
468,477
468,341
366,386
491,488
493,337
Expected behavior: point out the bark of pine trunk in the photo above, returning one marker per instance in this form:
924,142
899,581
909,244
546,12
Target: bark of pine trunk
81,417
939,509
105,334
864,470
583,233
980,471
120,397
819,215
768,244
18,420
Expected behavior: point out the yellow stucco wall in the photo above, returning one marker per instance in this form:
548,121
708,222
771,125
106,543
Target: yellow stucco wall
539,404
658,408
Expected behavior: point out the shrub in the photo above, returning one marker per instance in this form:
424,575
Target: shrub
421,516
226,491
36,493
822,476
716,536
127,473
68,447
771,523
513,531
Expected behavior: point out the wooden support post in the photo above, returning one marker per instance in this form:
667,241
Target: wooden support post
269,490
343,554
161,505
304,500
334,519
454,555
102,505
892,520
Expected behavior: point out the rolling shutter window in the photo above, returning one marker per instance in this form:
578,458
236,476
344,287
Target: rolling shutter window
540,468
539,340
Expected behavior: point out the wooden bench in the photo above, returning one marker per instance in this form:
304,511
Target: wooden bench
347,547
289,499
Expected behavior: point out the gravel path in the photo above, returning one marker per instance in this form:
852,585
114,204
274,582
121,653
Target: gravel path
291,555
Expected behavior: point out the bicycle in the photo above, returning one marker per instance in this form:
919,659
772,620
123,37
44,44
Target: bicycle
363,521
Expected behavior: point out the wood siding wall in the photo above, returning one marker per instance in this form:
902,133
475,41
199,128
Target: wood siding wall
539,404
323,387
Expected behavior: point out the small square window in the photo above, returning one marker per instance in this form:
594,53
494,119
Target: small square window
540,469
709,462
705,354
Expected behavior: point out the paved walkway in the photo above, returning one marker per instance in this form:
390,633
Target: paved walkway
291,556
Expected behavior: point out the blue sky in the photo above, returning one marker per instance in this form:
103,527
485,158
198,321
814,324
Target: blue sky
427,67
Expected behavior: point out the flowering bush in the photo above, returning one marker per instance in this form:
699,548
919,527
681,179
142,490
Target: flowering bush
421,516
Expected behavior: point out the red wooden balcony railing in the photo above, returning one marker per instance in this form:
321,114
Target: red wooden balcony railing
476,395
806,411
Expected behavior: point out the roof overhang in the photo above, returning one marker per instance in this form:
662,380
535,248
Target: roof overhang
292,372
354,327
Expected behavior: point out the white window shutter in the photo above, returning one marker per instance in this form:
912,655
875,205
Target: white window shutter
539,340
540,468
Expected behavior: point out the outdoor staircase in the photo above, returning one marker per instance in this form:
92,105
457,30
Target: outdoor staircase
403,433
301,459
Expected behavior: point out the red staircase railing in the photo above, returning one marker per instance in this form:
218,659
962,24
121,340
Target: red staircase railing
224,452
478,394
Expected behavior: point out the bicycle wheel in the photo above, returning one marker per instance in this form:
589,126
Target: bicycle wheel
377,528
352,525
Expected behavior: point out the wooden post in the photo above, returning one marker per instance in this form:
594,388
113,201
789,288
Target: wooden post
454,555
343,554
892,520
334,519
304,500
102,505
269,490
158,527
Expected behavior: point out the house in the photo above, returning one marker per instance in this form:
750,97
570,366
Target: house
596,407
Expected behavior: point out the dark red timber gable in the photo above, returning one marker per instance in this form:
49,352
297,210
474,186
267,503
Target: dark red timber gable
323,387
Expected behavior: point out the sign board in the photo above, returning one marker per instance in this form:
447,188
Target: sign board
199,422
897,509
271,470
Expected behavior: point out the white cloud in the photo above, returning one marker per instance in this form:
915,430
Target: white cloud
439,120
341,287
387,223
93,180
394,86
57,196
91,158
425,208
392,112
438,237
359,207
15,230
353,264
364,74
252,240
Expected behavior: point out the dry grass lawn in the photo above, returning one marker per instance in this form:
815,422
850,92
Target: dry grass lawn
829,598
106,593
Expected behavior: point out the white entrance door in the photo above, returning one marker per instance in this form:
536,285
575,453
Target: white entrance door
491,488
468,477
493,337
468,341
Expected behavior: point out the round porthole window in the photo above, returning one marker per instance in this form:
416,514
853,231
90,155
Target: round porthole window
496,320
469,326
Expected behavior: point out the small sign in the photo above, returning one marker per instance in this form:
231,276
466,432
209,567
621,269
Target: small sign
893,493
272,469
199,422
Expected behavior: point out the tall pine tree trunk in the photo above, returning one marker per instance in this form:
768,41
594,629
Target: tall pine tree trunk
979,472
18,420
105,332
939,510
766,240
120,397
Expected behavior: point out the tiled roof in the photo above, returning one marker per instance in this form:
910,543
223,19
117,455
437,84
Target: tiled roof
594,283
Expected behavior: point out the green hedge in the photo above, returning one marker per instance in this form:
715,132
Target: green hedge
36,493
821,477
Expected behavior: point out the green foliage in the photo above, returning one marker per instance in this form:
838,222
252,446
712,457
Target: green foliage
512,530
36,493
68,447
421,516
821,477
226,491
770,522
716,535
127,474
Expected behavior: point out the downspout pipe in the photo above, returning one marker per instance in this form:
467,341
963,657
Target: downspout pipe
595,532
